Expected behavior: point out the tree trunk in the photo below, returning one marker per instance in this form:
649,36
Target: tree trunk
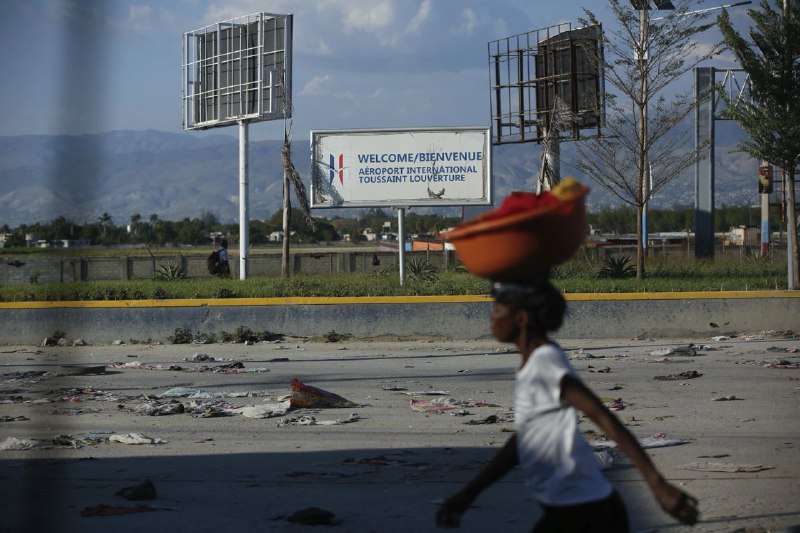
639,246
287,212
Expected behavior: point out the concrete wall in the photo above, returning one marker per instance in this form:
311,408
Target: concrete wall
590,316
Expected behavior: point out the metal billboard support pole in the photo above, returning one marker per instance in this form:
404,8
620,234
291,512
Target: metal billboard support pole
244,215
765,168
401,236
704,167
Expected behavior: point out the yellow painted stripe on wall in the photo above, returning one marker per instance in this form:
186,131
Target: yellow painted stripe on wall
233,302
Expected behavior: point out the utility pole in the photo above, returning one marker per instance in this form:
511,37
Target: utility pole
793,276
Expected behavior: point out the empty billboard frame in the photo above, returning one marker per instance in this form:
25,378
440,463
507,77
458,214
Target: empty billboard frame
237,70
529,70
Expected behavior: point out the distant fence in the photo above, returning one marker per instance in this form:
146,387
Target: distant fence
54,269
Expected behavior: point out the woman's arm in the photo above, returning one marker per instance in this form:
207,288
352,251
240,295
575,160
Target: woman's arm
449,514
672,499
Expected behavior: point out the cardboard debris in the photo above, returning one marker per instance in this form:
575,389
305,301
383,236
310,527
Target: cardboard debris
689,374
13,443
724,467
656,441
267,410
135,439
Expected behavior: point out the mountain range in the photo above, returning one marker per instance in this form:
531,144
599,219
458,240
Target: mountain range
179,175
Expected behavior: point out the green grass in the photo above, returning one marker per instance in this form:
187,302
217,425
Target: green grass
577,276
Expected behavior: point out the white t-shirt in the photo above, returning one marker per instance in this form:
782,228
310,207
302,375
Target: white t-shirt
559,465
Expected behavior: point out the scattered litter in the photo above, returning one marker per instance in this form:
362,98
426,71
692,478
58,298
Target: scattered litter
213,409
729,397
185,392
310,420
205,358
659,440
6,418
782,349
721,338
15,444
135,438
580,354
332,336
380,460
780,363
687,350
314,516
690,374
113,510
615,404
267,410
434,405
311,397
605,459
491,419
156,408
724,467
79,370
428,393
143,491
137,365
394,388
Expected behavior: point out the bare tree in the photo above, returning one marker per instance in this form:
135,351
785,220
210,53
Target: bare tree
643,149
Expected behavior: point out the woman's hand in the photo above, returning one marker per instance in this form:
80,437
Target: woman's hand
449,514
677,503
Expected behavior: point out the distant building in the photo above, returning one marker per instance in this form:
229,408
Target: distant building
62,243
277,236
217,236
369,235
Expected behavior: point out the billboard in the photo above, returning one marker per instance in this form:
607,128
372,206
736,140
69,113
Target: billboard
529,70
429,167
237,70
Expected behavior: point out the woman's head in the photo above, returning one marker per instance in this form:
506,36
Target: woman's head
536,307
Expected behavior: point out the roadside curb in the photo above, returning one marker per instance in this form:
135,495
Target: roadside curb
600,316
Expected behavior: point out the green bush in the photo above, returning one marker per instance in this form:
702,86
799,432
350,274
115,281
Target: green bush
170,272
617,267
421,271
676,273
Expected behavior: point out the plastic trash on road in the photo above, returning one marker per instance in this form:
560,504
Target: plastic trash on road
311,397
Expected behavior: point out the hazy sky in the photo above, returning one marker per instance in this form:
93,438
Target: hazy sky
88,66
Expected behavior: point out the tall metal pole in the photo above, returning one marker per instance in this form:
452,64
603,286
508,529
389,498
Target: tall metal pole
793,273
244,211
401,236
765,170
704,166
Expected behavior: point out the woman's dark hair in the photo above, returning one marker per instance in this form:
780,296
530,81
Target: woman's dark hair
543,302
224,243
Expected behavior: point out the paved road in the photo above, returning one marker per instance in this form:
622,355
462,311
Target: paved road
386,470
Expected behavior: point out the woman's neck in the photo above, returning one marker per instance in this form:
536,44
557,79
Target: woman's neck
527,345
